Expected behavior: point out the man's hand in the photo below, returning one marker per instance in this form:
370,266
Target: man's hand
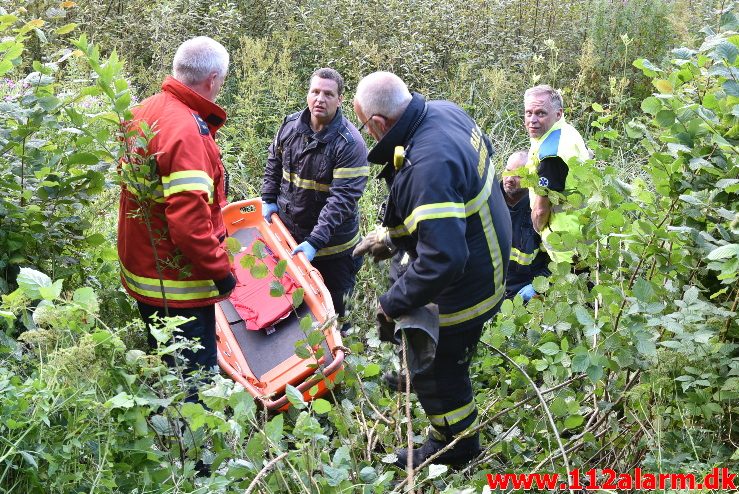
540,212
527,292
268,209
377,243
307,249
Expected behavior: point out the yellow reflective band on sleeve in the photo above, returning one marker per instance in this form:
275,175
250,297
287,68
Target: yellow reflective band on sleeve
303,183
523,258
335,249
445,209
173,289
188,180
359,171
428,212
453,417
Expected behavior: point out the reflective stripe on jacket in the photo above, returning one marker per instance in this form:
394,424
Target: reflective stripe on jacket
316,179
446,208
182,199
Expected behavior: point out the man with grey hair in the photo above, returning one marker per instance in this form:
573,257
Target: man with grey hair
315,174
553,143
171,232
445,209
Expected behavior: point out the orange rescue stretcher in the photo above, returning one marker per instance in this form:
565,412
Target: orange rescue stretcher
259,353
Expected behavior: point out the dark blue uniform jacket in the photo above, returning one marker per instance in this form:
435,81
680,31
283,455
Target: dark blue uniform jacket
528,259
446,209
316,179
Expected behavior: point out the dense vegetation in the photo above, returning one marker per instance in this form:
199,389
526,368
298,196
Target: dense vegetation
642,370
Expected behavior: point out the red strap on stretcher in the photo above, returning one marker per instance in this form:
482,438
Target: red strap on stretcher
251,297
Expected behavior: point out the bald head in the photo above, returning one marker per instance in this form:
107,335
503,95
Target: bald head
512,184
516,160
382,93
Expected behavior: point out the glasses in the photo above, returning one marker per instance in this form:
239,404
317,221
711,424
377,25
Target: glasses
367,121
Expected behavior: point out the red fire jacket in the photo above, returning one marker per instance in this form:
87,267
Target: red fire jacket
183,198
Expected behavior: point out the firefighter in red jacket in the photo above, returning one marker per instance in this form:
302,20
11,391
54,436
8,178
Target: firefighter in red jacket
170,229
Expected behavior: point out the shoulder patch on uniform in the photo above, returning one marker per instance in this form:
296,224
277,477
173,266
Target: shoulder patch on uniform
202,126
550,146
543,182
346,134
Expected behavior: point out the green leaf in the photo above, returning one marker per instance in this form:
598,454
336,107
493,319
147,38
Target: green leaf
573,421
30,281
598,108
95,239
306,323
5,66
649,69
651,105
298,297
541,284
321,406
295,397
248,261
549,348
51,292
583,316
67,28
643,290
559,407
371,370
646,347
437,470
594,372
29,459
233,246
274,430
302,352
315,337
259,249
276,289
82,159
335,476
663,86
724,252
731,88
259,271
121,400
280,268
367,475
580,361
665,118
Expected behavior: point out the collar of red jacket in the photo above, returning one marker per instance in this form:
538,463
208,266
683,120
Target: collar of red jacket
214,115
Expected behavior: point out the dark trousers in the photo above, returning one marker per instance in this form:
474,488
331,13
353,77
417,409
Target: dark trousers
339,274
444,389
202,328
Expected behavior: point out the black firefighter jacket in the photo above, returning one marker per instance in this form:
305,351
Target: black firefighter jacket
528,259
445,208
316,179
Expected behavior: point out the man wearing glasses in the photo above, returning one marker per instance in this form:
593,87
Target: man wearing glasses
315,174
446,210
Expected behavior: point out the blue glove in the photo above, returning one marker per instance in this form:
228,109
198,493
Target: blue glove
268,209
307,249
527,292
